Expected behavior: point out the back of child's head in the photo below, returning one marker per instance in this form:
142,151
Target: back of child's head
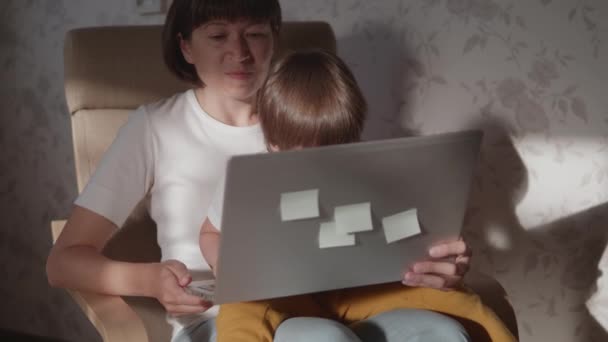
311,98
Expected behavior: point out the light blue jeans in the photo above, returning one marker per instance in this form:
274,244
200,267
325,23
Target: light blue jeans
392,326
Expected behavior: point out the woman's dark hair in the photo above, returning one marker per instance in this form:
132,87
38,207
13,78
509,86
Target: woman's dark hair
186,15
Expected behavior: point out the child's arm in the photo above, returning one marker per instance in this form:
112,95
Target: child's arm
209,243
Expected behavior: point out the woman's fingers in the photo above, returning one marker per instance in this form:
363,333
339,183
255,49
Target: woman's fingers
457,268
441,274
435,267
180,271
172,282
179,301
185,298
451,248
175,297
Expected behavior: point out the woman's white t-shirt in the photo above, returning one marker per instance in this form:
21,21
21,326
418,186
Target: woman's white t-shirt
173,151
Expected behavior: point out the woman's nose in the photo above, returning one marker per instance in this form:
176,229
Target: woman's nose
239,49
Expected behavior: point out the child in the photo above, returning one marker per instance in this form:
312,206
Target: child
325,108
312,99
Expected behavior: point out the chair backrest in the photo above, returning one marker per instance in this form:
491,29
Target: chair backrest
109,71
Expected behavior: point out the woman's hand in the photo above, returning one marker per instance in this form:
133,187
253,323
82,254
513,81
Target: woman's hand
171,277
446,269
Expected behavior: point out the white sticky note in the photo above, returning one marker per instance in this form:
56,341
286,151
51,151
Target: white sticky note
329,237
400,226
299,205
353,218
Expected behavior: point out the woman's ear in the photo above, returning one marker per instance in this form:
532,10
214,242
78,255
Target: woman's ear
186,48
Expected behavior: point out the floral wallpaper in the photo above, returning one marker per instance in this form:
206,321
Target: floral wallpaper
531,74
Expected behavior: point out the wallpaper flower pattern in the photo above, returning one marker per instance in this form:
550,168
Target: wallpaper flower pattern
531,74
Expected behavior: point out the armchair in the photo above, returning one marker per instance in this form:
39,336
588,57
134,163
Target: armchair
109,71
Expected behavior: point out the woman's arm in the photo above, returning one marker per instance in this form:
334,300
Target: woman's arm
209,242
76,262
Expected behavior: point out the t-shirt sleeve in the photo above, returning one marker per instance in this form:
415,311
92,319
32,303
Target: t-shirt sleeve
125,173
216,208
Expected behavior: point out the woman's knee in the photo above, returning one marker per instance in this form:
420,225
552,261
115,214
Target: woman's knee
304,329
410,325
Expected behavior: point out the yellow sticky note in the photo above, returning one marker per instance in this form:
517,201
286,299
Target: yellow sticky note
330,237
353,218
299,205
400,226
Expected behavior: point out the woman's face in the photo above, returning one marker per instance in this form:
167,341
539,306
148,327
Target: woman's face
231,58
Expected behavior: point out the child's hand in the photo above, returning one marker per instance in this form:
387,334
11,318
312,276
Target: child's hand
441,274
169,280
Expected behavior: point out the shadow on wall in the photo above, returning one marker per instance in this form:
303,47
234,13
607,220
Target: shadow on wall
561,255
582,237
386,69
500,183
565,252
375,52
580,240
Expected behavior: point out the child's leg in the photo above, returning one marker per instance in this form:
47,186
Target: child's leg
411,325
306,329
353,305
258,321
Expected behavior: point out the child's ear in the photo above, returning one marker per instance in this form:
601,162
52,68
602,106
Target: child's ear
186,48
273,148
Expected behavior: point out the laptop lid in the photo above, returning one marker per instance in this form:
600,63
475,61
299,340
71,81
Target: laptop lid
265,254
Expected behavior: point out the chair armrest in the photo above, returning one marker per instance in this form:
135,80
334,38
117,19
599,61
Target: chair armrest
113,318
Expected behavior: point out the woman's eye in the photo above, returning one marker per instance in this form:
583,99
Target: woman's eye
257,34
217,36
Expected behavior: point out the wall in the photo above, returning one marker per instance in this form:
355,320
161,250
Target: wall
531,74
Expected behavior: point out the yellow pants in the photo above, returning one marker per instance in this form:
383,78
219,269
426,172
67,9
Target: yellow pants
258,321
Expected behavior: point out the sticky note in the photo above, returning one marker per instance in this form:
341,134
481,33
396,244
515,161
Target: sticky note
329,237
353,218
400,226
299,205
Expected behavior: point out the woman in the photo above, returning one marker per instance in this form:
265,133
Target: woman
174,151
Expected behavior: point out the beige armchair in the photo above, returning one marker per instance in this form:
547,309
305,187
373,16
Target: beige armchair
109,71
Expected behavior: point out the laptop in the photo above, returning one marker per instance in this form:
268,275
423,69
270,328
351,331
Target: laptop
267,251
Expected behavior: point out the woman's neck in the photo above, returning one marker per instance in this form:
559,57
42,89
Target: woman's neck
233,112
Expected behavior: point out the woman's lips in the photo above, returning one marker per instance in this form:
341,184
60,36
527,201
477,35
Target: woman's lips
240,75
